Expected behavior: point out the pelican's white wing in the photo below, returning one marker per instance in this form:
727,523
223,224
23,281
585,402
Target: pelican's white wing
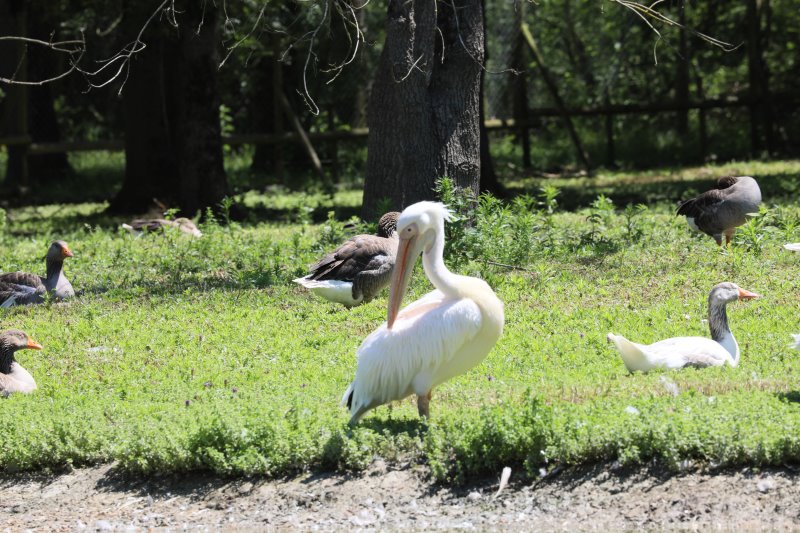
417,354
677,352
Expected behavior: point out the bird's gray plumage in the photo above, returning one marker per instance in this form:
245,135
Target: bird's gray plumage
21,288
366,261
14,378
721,210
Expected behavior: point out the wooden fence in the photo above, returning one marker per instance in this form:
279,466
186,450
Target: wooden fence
522,127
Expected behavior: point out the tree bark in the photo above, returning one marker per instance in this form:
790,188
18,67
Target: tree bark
149,108
203,182
13,21
42,121
173,138
424,109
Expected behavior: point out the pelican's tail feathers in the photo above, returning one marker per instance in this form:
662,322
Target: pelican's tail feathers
347,398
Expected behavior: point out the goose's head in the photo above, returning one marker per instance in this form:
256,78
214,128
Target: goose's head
58,251
417,228
727,292
14,339
388,224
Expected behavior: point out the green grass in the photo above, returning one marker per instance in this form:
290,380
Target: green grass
184,354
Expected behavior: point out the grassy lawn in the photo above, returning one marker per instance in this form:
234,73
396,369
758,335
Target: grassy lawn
182,354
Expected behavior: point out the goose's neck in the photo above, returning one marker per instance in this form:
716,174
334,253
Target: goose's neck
54,268
436,270
720,332
6,358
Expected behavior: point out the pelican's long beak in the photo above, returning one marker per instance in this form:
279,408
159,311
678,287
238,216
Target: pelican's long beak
33,345
408,250
747,295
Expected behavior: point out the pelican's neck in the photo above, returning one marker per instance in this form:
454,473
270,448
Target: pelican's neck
720,332
435,269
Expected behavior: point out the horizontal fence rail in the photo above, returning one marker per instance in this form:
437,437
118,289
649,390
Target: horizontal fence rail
112,145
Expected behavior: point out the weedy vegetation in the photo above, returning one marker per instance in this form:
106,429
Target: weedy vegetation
185,354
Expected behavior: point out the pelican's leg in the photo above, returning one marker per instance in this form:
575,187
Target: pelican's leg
423,404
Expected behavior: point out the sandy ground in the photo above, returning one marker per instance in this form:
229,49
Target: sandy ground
601,498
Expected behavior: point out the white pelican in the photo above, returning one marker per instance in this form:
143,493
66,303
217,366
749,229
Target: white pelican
679,352
719,211
441,335
21,288
14,378
357,270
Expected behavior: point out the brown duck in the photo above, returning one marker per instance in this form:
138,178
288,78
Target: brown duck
21,288
14,378
151,225
357,270
720,211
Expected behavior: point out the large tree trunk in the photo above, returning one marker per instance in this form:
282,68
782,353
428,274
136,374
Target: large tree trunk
149,108
203,182
424,109
173,138
13,62
42,120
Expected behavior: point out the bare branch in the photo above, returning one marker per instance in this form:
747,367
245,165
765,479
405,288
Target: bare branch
238,43
122,58
74,48
649,12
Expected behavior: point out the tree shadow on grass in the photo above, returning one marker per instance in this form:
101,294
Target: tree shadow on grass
789,396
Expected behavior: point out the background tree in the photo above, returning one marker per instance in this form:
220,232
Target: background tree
424,108
173,141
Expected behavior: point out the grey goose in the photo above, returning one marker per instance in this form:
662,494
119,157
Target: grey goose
21,288
357,270
14,378
720,211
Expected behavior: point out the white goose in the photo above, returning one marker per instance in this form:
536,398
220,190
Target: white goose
794,246
441,335
679,352
796,341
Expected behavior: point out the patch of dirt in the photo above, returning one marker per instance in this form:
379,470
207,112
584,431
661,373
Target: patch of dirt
589,498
